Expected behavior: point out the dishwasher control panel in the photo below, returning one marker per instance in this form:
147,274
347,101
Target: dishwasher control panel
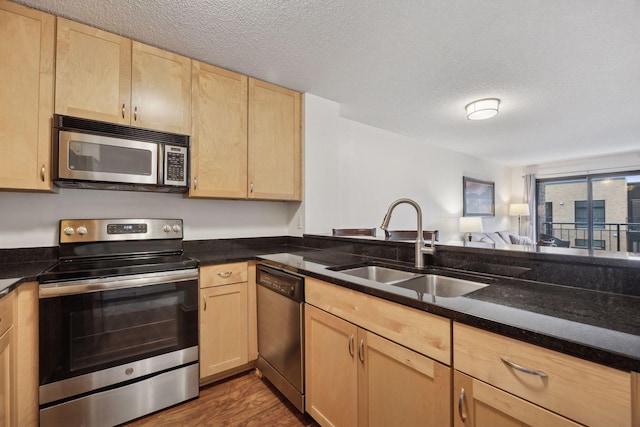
284,283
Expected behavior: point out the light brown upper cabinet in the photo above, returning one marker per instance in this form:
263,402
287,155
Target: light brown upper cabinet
219,137
27,42
246,138
275,149
103,76
160,89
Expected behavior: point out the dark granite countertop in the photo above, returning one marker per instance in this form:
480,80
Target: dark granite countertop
21,269
597,326
602,327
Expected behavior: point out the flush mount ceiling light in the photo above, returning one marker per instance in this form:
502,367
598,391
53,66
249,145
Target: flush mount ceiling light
482,109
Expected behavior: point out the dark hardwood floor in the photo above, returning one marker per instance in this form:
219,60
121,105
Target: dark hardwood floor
243,400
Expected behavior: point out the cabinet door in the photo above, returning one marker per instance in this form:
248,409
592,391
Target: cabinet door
274,142
26,345
160,90
93,73
584,391
331,373
27,43
398,386
7,392
223,328
477,404
219,137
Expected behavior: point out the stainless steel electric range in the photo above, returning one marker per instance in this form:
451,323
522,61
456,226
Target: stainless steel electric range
118,322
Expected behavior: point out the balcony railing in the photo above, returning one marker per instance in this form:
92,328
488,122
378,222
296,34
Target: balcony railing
608,236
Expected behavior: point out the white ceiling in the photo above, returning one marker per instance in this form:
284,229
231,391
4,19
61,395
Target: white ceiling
567,72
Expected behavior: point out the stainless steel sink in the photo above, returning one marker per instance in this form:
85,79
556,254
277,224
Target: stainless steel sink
380,274
441,286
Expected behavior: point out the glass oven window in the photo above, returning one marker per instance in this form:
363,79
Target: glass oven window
89,332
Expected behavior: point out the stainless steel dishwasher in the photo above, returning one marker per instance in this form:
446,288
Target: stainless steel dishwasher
281,331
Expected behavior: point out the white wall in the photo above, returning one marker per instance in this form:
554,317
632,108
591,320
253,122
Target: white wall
354,172
591,165
31,219
585,166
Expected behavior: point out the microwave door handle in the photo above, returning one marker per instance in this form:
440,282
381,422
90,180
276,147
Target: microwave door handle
161,162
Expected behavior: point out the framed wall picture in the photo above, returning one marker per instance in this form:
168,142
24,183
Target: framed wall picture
478,197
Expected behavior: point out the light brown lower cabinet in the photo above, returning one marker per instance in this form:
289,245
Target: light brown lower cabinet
19,357
477,404
357,378
26,345
573,388
7,364
224,328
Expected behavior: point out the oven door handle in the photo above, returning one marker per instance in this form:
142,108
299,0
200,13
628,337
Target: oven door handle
50,290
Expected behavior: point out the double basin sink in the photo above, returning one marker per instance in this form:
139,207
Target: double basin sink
433,284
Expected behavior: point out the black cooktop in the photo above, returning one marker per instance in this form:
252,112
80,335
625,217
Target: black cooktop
94,268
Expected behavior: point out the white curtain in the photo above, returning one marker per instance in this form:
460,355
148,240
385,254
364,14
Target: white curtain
530,199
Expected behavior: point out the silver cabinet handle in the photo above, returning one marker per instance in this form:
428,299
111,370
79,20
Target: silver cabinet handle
123,111
251,187
204,301
351,345
195,182
523,369
361,351
225,274
42,173
135,114
461,413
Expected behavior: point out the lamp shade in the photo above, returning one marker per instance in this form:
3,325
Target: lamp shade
482,108
471,224
517,209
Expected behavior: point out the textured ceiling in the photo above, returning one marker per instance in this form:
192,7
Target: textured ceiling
567,72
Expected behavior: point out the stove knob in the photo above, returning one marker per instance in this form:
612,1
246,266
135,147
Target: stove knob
82,230
166,228
176,228
69,231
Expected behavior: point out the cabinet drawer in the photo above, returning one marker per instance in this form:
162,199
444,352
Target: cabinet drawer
586,392
6,313
223,274
423,332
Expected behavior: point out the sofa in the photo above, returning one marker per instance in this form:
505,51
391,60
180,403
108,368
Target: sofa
501,238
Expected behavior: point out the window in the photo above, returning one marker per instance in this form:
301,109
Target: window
548,217
597,244
600,211
582,214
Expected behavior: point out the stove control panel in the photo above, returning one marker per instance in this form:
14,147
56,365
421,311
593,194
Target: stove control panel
99,230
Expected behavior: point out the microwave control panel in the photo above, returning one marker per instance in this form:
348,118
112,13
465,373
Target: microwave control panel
175,165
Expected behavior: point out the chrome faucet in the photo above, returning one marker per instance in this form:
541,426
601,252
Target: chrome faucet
420,243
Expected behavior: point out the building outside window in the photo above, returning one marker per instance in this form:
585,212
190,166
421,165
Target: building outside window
582,214
600,212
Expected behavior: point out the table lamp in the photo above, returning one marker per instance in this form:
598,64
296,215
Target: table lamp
470,224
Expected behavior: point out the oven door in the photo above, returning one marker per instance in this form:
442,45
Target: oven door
89,157
88,328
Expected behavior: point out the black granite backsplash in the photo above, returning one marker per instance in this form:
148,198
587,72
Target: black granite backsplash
20,255
597,274
591,273
591,276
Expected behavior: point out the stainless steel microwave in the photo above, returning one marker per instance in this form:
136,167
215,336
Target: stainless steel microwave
90,154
